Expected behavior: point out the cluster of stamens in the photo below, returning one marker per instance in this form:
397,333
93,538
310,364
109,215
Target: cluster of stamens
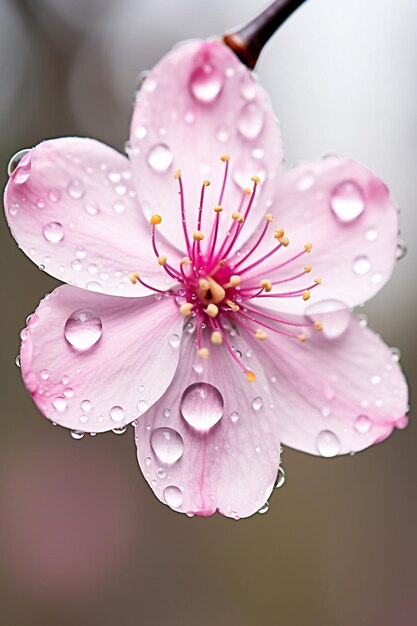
216,286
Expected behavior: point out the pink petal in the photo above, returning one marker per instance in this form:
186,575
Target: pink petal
334,396
346,212
94,362
197,104
200,456
72,209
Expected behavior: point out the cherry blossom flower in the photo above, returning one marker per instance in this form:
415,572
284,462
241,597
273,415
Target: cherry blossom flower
194,307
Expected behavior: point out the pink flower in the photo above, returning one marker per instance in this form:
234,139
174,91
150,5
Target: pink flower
216,278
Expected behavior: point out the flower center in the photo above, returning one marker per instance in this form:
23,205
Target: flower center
217,285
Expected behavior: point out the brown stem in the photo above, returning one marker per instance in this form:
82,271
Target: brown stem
247,41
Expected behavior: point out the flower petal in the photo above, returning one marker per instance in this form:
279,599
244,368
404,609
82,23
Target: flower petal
346,212
211,443
71,206
334,396
94,362
197,104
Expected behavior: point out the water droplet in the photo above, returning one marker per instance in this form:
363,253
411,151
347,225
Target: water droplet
189,117
14,163
17,360
76,265
234,417
53,232
141,388
68,392
167,412
94,286
167,444
54,195
160,157
119,207
280,478
80,252
92,208
140,132
75,189
396,354
250,120
116,413
249,89
362,319
83,329
120,430
77,434
257,403
60,403
148,461
202,406
371,234
173,496
361,265
375,380
333,314
401,249
206,83
161,472
222,134
306,182
347,201
327,444
44,374
362,424
174,341
142,406
264,509
86,406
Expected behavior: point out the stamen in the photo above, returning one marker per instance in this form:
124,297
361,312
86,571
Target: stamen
234,281
266,285
212,310
186,308
135,278
308,247
198,235
216,338
162,259
156,219
203,353
260,334
235,307
306,295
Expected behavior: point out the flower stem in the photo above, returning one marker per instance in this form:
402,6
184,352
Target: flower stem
248,40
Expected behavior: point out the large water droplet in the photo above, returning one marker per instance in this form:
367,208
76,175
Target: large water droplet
280,478
167,444
362,424
257,403
264,509
15,160
77,434
60,403
17,360
83,329
401,249
361,265
75,189
173,496
53,232
116,413
174,341
396,354
160,157
347,201
251,120
327,443
206,83
202,405
333,314
20,164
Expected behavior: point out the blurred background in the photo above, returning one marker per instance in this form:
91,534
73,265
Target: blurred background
83,541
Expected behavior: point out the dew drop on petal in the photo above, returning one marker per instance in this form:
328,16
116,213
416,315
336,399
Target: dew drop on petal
92,208
174,341
77,434
17,360
53,232
60,403
160,157
75,189
202,406
86,406
116,413
361,265
167,444
120,430
280,478
93,285
250,120
401,250
371,234
347,201
333,314
328,444
83,329
264,509
206,83
173,496
257,403
234,417
14,163
396,354
362,424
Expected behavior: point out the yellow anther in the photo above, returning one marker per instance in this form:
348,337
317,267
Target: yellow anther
284,241
308,247
198,235
235,307
206,183
203,353
306,295
218,209
318,325
250,376
185,260
317,281
225,157
256,180
307,269
186,308
269,217
237,217
204,284
260,334
212,310
248,191
279,233
177,174
302,338
134,278
156,219
266,284
162,259
235,280
216,338
222,262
